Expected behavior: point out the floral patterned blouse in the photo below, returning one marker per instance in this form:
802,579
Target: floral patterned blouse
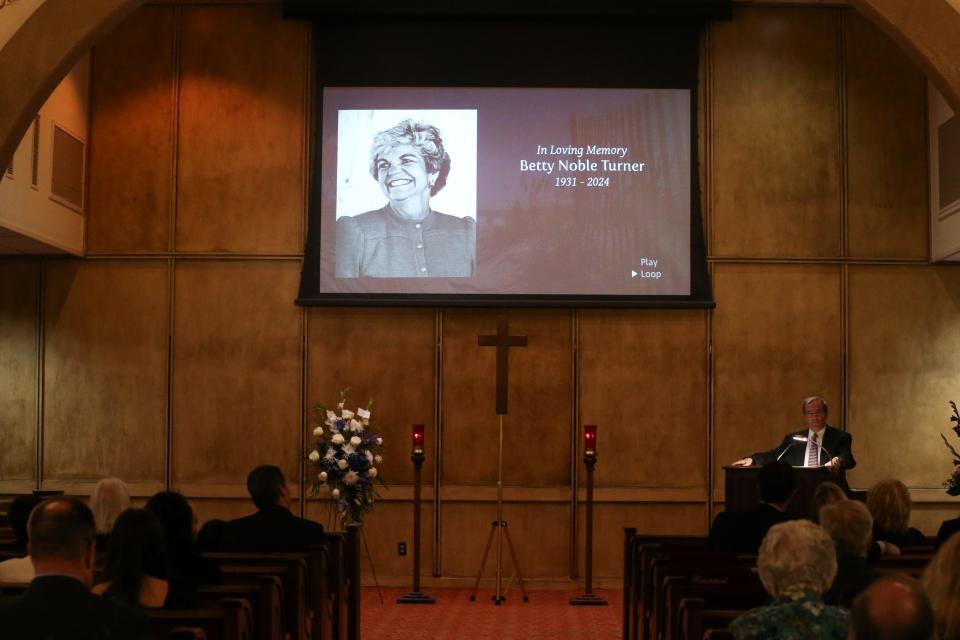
792,616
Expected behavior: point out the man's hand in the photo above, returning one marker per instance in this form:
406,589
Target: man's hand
834,465
743,462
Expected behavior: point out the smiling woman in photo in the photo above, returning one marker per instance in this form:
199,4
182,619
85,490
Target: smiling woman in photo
406,238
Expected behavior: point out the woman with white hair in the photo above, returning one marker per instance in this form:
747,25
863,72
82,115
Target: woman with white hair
109,499
797,563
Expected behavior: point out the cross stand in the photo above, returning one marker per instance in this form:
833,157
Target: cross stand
502,341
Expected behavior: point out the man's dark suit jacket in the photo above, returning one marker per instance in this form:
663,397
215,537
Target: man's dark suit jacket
947,529
55,607
742,532
836,442
272,529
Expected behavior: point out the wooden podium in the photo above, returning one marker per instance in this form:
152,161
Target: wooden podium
741,487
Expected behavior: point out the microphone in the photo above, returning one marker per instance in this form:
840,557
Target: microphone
804,439
791,446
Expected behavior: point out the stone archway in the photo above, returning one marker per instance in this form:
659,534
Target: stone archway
51,41
929,31
41,52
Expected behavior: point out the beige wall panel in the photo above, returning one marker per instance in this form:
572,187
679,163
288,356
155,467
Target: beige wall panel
777,338
106,328
776,135
886,146
904,337
387,355
643,381
242,128
540,533
236,370
928,517
609,520
388,524
536,445
131,137
19,295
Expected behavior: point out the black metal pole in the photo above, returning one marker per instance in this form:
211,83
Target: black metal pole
588,597
416,596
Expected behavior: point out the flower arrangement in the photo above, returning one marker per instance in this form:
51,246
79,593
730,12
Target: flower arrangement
952,484
344,457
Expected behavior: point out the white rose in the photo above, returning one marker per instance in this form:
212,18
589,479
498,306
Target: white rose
355,441
363,413
314,455
346,414
342,464
322,476
372,472
355,426
318,431
379,440
378,459
335,493
337,439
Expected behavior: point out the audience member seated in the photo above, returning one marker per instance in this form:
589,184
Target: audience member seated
19,569
889,504
743,531
941,579
186,566
825,493
946,530
894,607
58,604
796,564
135,571
272,527
850,525
210,535
109,499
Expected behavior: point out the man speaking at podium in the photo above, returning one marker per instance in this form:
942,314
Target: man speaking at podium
817,445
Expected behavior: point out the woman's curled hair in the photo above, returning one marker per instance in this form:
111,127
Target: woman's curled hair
426,138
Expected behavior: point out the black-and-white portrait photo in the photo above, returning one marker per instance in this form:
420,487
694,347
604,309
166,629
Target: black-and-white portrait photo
406,194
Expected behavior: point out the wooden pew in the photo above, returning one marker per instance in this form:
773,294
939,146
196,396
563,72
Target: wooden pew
265,595
290,568
715,596
699,623
692,566
232,620
638,588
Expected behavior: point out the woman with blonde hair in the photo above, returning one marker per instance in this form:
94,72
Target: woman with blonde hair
825,493
942,583
109,499
889,504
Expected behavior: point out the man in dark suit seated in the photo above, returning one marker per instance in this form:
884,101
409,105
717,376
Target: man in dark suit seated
817,445
272,528
744,531
58,603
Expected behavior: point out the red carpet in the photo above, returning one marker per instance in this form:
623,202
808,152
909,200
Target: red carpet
548,616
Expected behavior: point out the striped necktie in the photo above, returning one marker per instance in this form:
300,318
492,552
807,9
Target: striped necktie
813,458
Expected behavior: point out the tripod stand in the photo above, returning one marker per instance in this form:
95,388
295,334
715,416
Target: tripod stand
499,527
502,341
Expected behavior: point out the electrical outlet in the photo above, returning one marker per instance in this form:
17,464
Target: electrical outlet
402,548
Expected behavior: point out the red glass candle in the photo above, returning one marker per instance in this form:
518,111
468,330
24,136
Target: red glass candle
418,430
590,439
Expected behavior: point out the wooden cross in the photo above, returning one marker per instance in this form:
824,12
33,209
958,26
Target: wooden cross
502,341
